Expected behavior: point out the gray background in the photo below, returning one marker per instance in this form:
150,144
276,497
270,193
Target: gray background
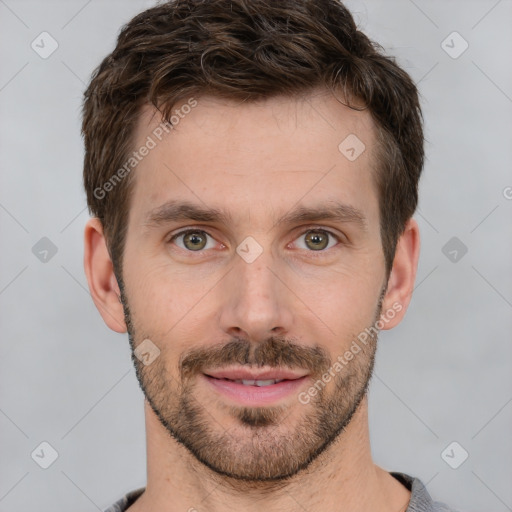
443,375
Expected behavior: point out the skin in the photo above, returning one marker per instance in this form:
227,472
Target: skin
258,161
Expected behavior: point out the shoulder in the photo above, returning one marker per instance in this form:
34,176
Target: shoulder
126,501
421,501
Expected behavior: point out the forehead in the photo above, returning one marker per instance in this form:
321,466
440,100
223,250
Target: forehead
245,157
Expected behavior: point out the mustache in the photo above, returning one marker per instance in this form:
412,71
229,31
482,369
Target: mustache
274,352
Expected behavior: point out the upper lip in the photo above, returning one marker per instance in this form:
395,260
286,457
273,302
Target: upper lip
246,374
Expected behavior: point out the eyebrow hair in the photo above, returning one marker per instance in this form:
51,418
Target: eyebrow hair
176,210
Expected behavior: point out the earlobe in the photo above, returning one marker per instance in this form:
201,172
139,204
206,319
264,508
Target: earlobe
402,276
101,278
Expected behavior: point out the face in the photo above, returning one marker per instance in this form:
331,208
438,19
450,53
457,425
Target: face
253,254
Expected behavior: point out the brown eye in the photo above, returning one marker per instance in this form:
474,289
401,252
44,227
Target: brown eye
192,240
317,240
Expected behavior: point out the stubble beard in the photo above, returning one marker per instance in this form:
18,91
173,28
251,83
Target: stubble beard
261,447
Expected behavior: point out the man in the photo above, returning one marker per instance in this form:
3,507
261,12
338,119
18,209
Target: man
252,169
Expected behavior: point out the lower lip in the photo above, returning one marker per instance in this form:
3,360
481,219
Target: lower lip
255,395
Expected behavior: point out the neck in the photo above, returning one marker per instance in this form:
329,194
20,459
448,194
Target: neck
342,478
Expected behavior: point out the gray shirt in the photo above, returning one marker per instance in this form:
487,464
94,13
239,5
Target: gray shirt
420,498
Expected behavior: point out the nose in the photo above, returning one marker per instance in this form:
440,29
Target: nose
255,301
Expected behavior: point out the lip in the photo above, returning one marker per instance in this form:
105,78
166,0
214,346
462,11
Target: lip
255,395
246,374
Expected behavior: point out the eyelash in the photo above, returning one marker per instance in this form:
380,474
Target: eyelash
321,252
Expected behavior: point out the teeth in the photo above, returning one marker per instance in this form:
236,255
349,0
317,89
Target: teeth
258,382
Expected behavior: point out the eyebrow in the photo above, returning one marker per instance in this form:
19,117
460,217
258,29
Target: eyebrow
176,210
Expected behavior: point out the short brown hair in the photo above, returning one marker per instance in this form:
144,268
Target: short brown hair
247,50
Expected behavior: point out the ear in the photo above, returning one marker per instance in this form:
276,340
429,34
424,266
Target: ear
402,277
101,278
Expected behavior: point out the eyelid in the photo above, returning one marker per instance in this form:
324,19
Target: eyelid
307,229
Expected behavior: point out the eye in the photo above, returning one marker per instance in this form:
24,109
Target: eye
318,239
196,240
192,240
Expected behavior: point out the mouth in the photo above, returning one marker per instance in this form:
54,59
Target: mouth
257,389
259,383
245,374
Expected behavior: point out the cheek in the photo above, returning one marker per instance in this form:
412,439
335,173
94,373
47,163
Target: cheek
161,297
344,301
150,292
